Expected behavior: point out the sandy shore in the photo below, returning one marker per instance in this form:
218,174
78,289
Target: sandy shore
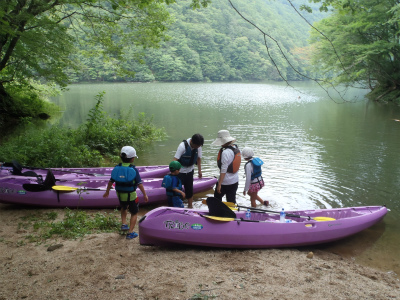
107,266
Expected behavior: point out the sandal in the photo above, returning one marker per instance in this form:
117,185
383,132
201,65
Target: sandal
131,235
124,227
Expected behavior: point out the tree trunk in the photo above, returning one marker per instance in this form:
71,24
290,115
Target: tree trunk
385,93
4,100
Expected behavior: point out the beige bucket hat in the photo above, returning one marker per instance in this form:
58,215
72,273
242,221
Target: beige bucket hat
223,137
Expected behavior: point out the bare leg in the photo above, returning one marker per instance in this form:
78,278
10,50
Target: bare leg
124,213
253,197
132,223
190,202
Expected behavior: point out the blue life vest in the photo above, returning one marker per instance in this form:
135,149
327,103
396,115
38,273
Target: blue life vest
189,158
257,163
124,178
171,182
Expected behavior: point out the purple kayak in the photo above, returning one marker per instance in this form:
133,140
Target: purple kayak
165,226
79,190
145,171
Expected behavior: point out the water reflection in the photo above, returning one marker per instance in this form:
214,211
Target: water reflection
316,153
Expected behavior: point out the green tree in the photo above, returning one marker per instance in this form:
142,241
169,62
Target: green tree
37,38
216,44
360,46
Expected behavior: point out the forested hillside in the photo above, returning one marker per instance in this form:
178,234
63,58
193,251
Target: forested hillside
214,44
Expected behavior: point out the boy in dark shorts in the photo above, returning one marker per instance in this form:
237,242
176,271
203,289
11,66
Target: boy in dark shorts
173,185
126,178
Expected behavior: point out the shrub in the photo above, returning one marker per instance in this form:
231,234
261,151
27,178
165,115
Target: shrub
99,137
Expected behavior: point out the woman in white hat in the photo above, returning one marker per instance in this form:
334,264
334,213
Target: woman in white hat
228,162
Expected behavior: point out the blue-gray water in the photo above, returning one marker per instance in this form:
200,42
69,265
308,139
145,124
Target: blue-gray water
316,152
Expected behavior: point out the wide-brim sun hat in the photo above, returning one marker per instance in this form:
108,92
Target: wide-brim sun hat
129,151
223,137
247,152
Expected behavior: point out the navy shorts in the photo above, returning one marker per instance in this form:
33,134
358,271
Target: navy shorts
175,201
187,182
131,205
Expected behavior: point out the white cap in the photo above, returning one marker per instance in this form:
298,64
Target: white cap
247,152
129,151
223,137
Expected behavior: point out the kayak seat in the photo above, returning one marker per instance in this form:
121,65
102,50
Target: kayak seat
218,209
50,180
17,168
30,174
47,184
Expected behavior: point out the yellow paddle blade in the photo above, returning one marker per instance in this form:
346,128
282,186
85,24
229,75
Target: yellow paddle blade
64,188
322,219
230,204
223,219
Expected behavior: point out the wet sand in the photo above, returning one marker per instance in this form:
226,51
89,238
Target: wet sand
107,266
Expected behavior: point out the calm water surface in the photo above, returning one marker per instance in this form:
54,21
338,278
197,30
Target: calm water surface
316,153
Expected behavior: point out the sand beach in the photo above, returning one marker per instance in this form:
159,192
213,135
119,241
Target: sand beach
107,266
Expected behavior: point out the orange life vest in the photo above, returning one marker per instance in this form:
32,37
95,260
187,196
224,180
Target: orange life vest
235,164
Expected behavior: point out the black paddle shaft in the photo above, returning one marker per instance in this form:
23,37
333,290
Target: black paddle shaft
271,211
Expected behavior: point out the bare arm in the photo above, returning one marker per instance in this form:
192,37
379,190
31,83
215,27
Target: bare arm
199,167
141,188
221,179
109,185
180,192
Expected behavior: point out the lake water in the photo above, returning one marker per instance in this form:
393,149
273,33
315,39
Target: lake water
317,153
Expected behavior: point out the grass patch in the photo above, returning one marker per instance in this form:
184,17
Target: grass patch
75,224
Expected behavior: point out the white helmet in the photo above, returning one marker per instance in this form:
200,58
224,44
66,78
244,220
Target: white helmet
247,152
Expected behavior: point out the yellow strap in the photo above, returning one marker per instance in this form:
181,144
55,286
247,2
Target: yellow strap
322,219
224,219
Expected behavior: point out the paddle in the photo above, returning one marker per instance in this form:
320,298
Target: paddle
225,219
319,219
63,188
231,207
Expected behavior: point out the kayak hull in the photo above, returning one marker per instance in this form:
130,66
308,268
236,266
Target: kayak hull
144,171
89,193
165,226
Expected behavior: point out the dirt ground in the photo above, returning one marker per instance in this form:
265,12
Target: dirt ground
107,266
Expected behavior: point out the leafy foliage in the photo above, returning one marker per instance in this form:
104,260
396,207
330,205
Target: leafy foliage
99,137
39,37
214,44
362,46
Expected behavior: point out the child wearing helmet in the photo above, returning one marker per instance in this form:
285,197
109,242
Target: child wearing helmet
254,180
127,179
173,185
